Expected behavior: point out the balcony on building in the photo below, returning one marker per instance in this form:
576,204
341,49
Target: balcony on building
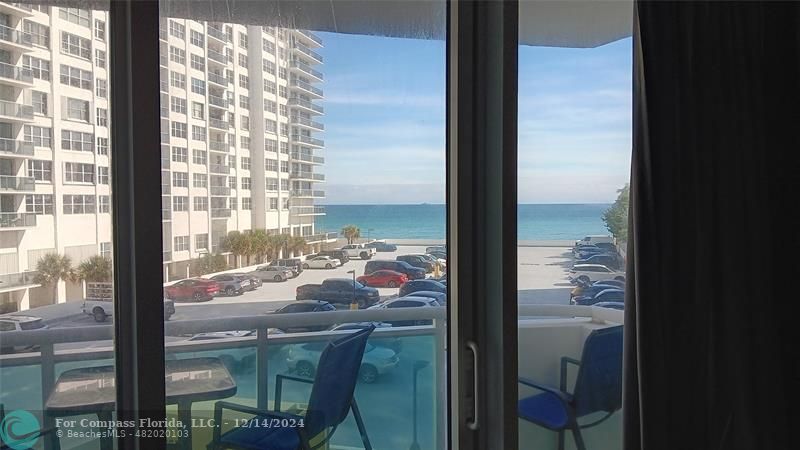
220,213
17,76
16,221
15,112
308,210
219,146
298,66
219,79
305,88
307,52
215,100
308,38
308,140
16,9
307,158
222,191
12,39
18,184
305,105
218,33
15,148
219,168
307,175
219,124
302,122
307,193
217,57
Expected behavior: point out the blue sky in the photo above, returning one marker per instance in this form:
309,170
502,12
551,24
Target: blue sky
385,121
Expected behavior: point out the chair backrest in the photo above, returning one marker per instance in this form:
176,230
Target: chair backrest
598,386
335,381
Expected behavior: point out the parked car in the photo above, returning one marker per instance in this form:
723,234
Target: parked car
197,289
605,259
607,246
436,248
382,246
339,290
594,272
305,306
321,262
336,254
389,342
587,250
358,251
594,239
440,297
439,255
272,273
296,264
255,282
589,290
612,305
383,278
619,284
413,273
231,285
12,322
442,263
606,295
408,302
303,359
421,285
101,309
417,261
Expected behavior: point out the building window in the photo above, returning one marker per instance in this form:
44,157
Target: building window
268,46
76,46
233,203
176,29
178,129
285,166
232,182
269,86
39,68
246,204
242,60
282,73
101,117
243,40
246,183
245,122
197,62
181,244
270,145
201,241
198,86
100,58
199,180
270,126
180,203
39,102
282,91
104,204
78,172
198,110
39,204
75,77
75,15
76,141
198,133
179,154
244,81
180,179
40,170
273,204
177,80
284,129
196,38
40,136
272,185
244,102
106,250
78,204
284,184
284,111
101,89
40,34
268,67
77,109
102,146
271,165
284,148
244,141
177,55
177,104
246,162
269,105
200,204
99,30
102,175
199,157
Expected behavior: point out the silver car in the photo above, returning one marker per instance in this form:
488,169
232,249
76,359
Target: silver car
272,273
377,361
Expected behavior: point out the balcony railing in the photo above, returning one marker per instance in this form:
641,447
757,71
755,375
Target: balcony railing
307,175
12,183
218,101
15,220
16,147
297,120
301,103
219,146
16,110
305,157
310,37
15,36
308,210
220,213
219,168
218,124
308,140
219,79
306,69
10,280
321,237
217,56
218,34
307,193
220,190
13,72
302,85
308,52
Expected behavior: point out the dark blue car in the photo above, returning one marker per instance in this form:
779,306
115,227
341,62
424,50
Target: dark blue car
381,246
440,297
606,295
412,286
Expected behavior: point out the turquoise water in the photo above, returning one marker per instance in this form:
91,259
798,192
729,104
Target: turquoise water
426,221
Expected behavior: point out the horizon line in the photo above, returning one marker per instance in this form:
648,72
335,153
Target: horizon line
444,204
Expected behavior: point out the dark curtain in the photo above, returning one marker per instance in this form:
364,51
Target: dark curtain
710,357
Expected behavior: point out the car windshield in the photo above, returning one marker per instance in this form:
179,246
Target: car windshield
32,325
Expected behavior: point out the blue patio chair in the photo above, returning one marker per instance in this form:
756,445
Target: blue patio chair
598,388
331,400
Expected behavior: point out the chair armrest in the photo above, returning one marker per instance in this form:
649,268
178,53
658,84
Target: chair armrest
564,397
220,405
564,361
279,386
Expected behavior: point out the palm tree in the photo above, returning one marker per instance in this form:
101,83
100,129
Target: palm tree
261,244
281,242
52,268
295,245
351,232
95,269
239,244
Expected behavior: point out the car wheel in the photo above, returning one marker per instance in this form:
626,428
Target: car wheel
99,315
392,284
362,303
368,374
620,278
277,278
230,291
328,266
197,297
305,266
364,255
583,278
305,369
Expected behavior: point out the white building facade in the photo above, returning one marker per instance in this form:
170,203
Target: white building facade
239,146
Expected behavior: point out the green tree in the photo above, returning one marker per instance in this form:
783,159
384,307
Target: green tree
239,244
280,244
616,216
208,264
52,268
351,233
262,244
95,269
295,245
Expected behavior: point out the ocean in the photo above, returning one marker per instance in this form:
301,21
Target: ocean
427,221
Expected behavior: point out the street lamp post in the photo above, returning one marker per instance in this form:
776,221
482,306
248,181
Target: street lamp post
354,303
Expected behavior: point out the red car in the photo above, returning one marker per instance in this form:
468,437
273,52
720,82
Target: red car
196,289
383,278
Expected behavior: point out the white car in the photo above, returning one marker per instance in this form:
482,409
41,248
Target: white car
272,273
101,309
359,251
13,322
321,262
378,360
594,272
595,239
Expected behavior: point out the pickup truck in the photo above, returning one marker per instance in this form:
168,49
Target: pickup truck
339,290
359,251
100,309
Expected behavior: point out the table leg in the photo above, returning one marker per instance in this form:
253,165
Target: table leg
185,416
106,443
